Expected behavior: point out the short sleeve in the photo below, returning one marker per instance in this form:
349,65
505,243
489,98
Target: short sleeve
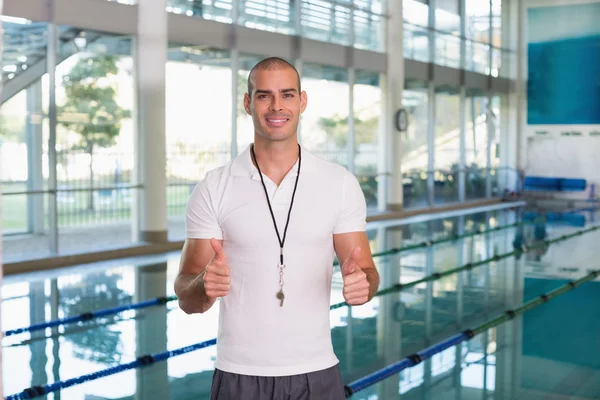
353,216
201,217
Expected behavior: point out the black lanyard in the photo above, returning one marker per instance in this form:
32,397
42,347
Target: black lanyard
281,241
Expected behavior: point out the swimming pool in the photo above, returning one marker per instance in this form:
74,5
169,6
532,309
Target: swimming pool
551,350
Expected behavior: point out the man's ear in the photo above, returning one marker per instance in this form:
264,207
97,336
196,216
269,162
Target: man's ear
247,103
303,101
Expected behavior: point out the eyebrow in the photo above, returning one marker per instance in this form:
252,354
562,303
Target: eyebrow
262,91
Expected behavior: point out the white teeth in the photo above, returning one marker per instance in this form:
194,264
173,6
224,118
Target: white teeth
277,120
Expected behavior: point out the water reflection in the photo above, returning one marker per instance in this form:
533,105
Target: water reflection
365,338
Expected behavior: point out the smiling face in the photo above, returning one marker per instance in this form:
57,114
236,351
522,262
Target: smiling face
275,103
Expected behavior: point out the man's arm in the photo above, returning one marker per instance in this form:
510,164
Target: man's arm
345,244
203,275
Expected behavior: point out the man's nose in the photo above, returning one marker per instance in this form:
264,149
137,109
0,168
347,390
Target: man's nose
276,104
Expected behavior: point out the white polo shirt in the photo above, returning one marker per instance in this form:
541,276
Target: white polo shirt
256,336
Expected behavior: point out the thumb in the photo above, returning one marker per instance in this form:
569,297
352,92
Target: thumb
350,264
218,249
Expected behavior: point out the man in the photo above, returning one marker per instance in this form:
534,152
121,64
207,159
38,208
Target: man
262,232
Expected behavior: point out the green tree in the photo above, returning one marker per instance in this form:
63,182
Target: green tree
336,128
365,132
11,129
91,109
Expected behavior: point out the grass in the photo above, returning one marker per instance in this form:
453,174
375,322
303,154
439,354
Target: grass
74,210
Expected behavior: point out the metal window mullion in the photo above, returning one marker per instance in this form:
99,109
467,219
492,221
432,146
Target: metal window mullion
462,164
52,177
298,16
490,38
431,144
432,38
488,148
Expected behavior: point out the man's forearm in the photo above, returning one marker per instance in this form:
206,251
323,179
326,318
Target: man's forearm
373,279
191,294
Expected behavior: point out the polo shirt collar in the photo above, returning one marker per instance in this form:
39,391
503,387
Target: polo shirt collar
242,165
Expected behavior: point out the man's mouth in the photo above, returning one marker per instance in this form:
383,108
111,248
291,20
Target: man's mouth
277,121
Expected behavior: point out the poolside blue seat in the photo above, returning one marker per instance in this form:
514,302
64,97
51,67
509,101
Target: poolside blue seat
540,183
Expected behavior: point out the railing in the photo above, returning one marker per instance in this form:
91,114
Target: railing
96,195
422,188
348,23
108,199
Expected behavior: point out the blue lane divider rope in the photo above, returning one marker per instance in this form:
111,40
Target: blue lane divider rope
351,388
88,316
468,334
38,391
410,361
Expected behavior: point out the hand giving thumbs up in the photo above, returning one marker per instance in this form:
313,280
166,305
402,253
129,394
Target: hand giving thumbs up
356,285
216,274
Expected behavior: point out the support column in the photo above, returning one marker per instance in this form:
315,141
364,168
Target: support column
491,128
463,104
431,110
35,177
511,111
52,179
150,70
431,145
393,95
462,162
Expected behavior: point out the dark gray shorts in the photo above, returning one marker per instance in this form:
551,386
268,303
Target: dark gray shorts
319,385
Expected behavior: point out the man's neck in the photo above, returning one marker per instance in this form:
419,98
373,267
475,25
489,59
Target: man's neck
276,159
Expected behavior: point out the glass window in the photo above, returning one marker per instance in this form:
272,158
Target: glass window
495,129
447,16
416,42
500,177
477,20
325,21
416,12
369,25
477,57
216,10
274,15
497,23
476,134
324,124
415,155
369,31
198,125
447,44
367,123
23,139
447,144
94,140
476,142
245,125
447,50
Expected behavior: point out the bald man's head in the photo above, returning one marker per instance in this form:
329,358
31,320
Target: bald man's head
271,64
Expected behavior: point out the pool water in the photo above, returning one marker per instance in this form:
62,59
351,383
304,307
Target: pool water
550,352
